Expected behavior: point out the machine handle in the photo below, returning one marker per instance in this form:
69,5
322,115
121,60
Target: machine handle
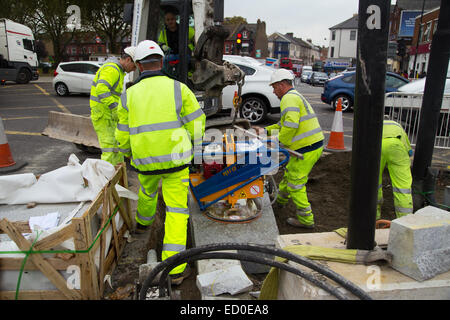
294,153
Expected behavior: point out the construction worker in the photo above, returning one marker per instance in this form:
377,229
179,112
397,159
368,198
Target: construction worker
299,130
105,95
169,41
395,153
160,120
168,37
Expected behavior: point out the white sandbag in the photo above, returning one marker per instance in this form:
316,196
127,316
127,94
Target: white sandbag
66,184
9,184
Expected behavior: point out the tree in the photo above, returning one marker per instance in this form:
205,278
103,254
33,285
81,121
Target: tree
106,19
49,18
41,51
235,20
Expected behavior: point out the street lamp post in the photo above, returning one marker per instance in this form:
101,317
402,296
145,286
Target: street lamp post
418,40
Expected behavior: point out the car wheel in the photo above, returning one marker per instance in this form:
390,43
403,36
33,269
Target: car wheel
347,103
61,89
254,110
24,76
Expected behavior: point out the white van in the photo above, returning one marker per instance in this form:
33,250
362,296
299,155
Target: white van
307,68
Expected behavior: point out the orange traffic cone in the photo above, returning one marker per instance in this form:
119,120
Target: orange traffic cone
336,141
7,163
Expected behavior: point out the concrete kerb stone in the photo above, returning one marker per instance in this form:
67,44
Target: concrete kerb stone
420,243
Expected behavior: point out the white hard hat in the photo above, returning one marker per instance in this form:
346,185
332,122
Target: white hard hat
281,74
146,48
131,51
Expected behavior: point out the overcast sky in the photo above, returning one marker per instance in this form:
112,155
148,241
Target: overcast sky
307,19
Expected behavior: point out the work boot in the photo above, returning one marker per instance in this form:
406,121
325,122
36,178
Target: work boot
177,279
141,228
295,223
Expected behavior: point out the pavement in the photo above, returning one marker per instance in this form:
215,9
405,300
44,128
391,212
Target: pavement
43,78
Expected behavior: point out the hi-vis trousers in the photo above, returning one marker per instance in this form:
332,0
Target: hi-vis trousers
105,129
396,158
293,185
175,193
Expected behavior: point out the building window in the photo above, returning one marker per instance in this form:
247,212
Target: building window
352,34
434,27
74,50
90,50
245,34
227,48
333,35
429,31
332,52
426,31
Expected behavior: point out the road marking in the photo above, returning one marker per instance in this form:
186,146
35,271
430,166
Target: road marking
23,133
43,90
59,105
24,118
41,107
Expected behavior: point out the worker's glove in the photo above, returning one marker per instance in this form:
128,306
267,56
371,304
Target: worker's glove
165,48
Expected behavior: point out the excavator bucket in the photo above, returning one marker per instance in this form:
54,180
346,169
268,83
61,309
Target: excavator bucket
71,127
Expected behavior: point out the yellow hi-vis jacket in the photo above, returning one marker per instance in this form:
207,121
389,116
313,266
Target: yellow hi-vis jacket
106,90
392,129
160,120
298,126
162,39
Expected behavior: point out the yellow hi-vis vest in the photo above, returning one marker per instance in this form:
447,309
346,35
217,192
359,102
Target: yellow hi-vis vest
298,126
160,120
162,39
106,90
392,129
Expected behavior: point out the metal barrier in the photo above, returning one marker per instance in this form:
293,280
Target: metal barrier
405,108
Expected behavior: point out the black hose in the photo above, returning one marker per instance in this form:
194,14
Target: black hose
261,260
182,256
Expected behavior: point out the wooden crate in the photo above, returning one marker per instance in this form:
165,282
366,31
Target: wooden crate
79,229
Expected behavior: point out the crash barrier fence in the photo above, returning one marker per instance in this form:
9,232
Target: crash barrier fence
405,108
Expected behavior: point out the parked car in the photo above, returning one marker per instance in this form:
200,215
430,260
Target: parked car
74,77
343,86
258,98
418,86
305,75
318,78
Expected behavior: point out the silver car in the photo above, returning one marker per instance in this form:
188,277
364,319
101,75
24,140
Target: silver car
318,78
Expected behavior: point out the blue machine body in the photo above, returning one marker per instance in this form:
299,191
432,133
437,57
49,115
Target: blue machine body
250,165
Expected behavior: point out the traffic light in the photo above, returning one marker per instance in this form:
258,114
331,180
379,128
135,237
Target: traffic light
401,48
239,40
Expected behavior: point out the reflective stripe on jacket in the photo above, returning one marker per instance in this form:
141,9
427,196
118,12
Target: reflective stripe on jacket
298,126
392,129
159,120
106,90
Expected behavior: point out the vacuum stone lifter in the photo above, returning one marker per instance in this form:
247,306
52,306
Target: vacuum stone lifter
229,181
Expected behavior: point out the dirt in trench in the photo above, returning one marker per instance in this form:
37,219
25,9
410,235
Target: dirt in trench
328,189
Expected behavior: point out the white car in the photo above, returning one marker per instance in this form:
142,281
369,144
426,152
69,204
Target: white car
258,98
74,77
418,86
